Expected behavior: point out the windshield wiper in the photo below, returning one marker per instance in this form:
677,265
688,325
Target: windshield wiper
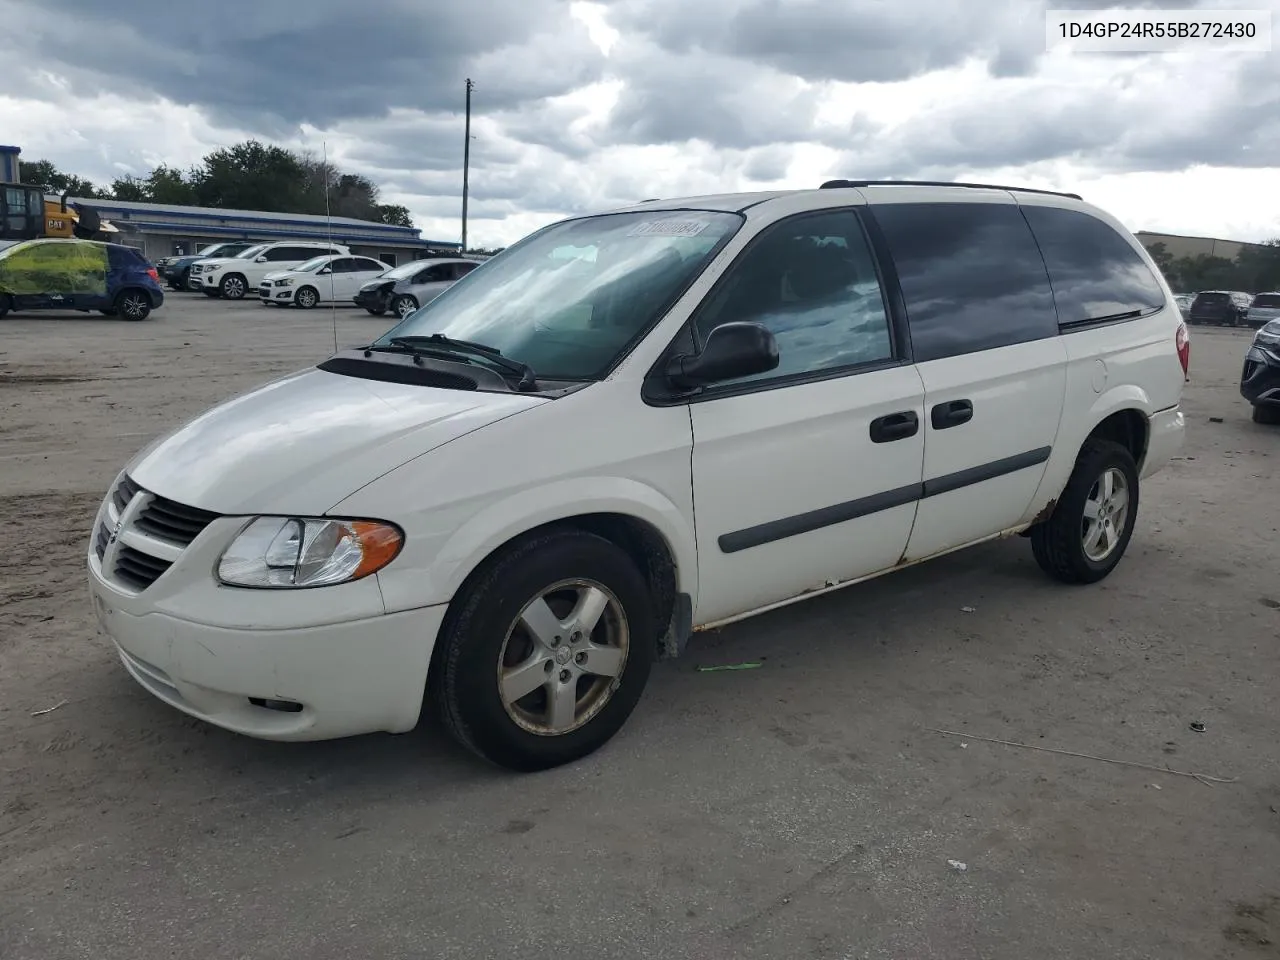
440,344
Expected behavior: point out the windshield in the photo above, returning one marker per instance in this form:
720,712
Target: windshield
404,270
571,299
250,253
1271,300
315,263
213,248
1208,298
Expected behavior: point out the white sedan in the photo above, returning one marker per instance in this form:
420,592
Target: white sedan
326,279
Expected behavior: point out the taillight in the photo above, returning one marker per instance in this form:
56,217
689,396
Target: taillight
153,274
1183,341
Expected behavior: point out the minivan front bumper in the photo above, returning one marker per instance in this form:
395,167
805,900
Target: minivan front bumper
313,683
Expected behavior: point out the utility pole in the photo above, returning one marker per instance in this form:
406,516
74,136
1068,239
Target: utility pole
466,166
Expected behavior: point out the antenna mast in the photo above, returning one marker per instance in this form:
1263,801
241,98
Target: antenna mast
466,167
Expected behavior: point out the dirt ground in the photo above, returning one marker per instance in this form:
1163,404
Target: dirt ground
804,809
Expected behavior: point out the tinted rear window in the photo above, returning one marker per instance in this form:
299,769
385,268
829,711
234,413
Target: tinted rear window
1211,299
971,275
1095,272
1267,300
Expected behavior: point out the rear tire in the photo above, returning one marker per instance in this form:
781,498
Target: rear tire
133,305
500,665
6,304
1261,413
1090,528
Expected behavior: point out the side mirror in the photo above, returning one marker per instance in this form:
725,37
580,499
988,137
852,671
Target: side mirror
324,271
261,259
732,350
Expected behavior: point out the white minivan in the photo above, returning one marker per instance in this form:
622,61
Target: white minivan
632,426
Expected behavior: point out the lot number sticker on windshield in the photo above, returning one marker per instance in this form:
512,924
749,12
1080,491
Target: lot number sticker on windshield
668,228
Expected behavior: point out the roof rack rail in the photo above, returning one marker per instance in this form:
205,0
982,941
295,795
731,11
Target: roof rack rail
840,184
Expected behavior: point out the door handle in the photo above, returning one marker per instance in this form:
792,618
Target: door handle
951,414
894,426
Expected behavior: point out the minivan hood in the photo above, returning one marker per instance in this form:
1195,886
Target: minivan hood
308,441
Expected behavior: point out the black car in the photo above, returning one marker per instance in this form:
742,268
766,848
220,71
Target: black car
1224,308
1260,381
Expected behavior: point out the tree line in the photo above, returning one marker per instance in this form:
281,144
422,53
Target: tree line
1254,270
248,176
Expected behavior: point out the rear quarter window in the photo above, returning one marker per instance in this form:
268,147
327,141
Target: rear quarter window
1095,272
971,276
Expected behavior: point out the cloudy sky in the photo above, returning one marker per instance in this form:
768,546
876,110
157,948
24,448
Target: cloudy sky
582,105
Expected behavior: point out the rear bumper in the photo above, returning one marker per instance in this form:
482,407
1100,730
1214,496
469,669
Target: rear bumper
1166,433
1260,378
157,298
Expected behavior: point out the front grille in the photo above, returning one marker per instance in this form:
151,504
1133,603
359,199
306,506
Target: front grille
133,563
137,569
174,522
125,491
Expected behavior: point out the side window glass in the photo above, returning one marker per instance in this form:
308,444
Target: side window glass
342,265
812,281
971,275
1094,271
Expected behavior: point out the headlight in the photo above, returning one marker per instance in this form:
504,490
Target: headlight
1267,338
285,283
285,552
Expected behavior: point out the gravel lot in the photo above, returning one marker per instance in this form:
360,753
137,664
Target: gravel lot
800,810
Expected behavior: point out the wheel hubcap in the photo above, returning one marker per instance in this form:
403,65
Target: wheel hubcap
306,298
1106,511
132,307
563,657
234,288
404,308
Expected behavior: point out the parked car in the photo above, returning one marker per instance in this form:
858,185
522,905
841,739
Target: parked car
233,277
375,295
176,270
84,275
1260,380
1225,308
1264,309
635,425
415,287
326,279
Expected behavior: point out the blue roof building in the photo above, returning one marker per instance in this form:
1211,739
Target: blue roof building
162,230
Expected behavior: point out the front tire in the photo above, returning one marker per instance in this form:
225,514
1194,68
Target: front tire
1261,413
133,305
404,305
1089,530
233,287
545,656
306,298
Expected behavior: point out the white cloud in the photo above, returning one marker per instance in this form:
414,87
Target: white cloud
1180,143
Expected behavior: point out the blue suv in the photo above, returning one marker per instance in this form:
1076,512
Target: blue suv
80,275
